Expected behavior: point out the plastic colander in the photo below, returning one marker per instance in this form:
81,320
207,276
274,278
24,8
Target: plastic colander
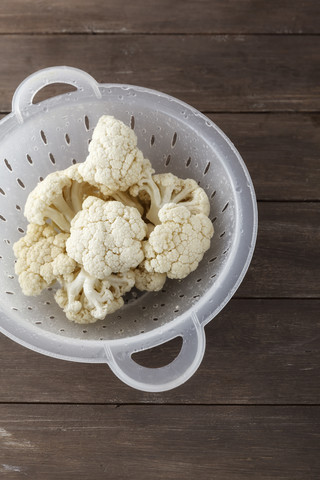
36,139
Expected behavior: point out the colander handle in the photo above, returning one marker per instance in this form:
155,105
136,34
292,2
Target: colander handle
164,378
22,100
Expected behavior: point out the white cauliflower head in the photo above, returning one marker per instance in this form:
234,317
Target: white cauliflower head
177,245
114,162
149,281
58,198
85,299
106,237
41,258
158,190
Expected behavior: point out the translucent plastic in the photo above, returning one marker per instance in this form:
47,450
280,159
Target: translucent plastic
39,138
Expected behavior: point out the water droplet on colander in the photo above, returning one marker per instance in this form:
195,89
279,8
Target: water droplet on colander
238,189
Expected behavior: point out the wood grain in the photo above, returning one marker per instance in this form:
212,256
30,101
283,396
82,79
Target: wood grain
230,443
212,72
281,152
286,261
258,352
159,16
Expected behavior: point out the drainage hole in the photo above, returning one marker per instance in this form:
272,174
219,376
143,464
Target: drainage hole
86,122
223,233
188,162
152,140
3,219
29,159
174,139
8,165
52,159
20,182
167,160
132,121
206,169
225,207
67,139
2,192
43,136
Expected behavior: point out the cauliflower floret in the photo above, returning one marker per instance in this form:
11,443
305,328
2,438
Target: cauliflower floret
149,281
167,188
41,258
114,162
177,245
58,198
85,299
106,237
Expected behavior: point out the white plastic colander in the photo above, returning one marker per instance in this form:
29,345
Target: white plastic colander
36,139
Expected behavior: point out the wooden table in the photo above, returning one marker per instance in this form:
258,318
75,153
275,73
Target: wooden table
251,411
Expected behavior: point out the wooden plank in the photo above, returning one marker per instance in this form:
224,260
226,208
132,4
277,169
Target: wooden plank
159,16
258,352
281,152
212,72
143,442
286,262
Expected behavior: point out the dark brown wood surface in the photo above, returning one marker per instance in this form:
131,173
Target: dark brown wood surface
214,73
102,441
258,352
159,16
251,411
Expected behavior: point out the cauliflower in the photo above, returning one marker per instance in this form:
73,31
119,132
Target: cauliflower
86,299
177,245
114,162
106,237
58,198
149,281
167,188
42,257
108,224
